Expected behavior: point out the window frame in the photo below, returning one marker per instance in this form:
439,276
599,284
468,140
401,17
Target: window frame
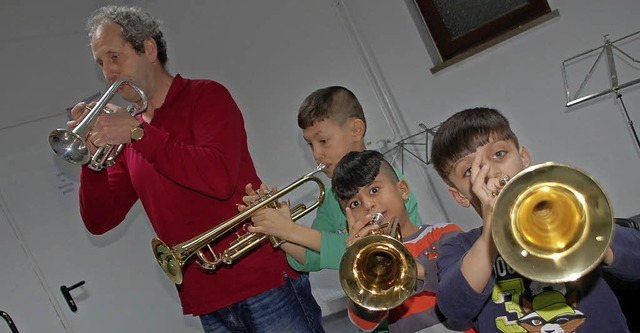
449,47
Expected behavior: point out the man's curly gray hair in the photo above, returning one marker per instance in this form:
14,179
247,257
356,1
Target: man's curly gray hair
136,25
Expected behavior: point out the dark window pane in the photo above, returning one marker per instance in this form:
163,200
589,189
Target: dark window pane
459,25
462,16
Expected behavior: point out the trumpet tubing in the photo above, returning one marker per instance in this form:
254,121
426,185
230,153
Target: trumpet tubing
552,223
71,145
172,259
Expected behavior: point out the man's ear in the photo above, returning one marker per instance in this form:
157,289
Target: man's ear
524,155
459,198
151,49
403,187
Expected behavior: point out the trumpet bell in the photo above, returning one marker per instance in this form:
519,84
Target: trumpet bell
378,272
69,146
552,223
167,260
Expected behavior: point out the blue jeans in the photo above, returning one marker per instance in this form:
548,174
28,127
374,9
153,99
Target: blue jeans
289,308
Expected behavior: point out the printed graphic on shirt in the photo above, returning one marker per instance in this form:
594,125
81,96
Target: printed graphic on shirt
431,252
549,312
534,307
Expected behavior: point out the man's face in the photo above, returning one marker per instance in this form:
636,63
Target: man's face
503,159
329,142
381,196
118,60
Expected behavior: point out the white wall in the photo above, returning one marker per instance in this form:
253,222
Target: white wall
271,54
522,77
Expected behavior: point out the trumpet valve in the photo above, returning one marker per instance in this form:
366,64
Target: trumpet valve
276,242
205,262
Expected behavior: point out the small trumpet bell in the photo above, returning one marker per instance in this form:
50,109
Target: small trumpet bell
69,146
378,272
167,260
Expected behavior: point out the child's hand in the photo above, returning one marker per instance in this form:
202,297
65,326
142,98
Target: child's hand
609,257
486,189
273,221
421,272
360,228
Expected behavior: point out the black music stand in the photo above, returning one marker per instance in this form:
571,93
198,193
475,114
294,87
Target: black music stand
606,50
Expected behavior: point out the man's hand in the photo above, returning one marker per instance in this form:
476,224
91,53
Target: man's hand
112,127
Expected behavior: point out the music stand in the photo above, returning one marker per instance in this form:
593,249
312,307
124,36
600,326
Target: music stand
606,50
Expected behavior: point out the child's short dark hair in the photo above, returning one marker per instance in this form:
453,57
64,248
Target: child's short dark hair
463,133
336,103
358,169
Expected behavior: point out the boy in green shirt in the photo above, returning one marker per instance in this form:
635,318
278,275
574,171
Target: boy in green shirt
333,124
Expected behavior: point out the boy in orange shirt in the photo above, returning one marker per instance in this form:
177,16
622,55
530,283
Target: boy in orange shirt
366,184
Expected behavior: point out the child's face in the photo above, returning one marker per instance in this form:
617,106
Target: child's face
503,159
329,142
381,196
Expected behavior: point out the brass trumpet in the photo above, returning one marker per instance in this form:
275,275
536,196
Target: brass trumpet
172,259
552,223
377,271
71,146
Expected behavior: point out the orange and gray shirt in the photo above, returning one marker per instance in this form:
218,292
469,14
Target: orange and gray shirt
419,312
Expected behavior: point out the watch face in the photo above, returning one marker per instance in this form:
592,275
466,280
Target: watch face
137,133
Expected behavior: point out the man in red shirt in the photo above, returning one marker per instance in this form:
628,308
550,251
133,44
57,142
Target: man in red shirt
186,159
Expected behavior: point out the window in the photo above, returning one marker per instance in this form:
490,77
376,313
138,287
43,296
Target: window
460,28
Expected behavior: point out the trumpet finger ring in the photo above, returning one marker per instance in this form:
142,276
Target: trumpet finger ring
504,180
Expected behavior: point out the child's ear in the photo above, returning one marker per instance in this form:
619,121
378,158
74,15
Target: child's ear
459,198
343,205
524,155
358,128
403,187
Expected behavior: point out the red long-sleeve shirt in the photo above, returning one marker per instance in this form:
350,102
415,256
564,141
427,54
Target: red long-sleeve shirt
189,172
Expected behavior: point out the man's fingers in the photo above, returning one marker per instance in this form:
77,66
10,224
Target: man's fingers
248,189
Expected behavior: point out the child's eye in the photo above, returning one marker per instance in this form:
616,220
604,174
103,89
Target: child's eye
323,141
499,154
467,173
374,190
353,204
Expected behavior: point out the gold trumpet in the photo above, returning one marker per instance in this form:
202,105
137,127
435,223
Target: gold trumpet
172,260
71,146
552,223
377,271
